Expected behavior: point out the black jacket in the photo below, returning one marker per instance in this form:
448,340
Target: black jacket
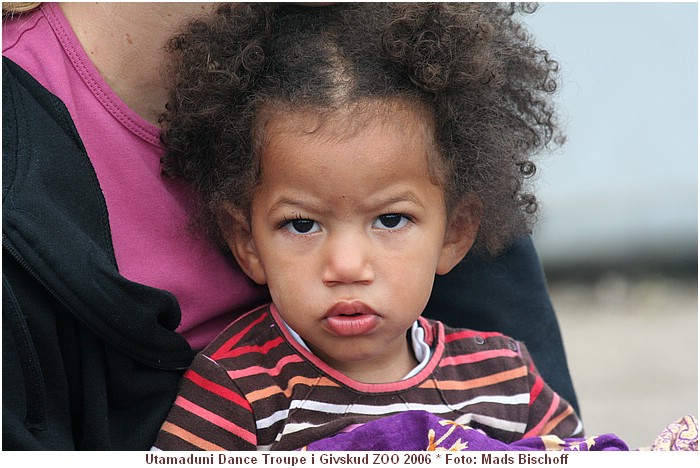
90,359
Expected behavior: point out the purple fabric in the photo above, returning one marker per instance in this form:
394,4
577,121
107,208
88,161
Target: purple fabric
680,435
421,431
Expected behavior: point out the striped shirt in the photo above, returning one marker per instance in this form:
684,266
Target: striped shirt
257,388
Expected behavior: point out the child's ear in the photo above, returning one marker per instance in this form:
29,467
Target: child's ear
463,225
237,233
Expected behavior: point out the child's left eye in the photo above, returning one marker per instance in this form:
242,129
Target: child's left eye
390,221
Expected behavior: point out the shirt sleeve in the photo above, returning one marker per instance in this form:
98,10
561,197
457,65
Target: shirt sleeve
548,412
209,413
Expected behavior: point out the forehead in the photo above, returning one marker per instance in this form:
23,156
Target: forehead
383,121
348,161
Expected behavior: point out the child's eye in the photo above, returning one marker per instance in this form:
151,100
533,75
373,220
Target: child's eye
302,226
390,221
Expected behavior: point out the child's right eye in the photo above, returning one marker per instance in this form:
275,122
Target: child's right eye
302,226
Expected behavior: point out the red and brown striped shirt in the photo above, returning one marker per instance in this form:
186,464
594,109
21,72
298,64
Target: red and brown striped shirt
256,387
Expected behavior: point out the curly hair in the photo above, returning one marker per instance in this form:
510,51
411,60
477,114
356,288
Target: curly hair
473,65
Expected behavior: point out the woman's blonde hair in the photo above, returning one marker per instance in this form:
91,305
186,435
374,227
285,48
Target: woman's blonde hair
10,9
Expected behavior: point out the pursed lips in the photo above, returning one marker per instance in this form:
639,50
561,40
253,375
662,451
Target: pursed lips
351,318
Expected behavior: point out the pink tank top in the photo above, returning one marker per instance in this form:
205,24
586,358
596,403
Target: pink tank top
148,214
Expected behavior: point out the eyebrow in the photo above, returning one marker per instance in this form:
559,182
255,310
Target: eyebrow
407,196
287,202
313,207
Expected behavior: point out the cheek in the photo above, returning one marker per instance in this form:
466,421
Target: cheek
289,280
410,282
290,298
412,272
421,250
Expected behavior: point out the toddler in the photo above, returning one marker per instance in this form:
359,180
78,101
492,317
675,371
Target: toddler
345,157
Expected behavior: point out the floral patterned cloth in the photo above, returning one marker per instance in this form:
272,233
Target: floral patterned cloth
680,435
422,431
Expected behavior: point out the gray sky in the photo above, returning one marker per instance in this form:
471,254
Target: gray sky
625,184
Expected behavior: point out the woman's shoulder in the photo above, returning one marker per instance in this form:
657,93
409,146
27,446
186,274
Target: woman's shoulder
15,24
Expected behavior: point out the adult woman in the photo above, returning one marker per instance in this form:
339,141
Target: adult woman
105,295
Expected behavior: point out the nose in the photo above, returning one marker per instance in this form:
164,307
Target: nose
347,260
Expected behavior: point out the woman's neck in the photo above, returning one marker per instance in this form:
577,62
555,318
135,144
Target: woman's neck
126,42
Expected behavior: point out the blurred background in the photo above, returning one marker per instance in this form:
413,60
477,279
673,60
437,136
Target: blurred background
618,230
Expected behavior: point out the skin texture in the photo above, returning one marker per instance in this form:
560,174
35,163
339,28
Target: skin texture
125,41
349,220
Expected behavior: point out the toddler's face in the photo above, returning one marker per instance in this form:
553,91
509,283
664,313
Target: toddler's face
348,230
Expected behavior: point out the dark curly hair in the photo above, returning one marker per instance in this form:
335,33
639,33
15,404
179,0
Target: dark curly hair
473,65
